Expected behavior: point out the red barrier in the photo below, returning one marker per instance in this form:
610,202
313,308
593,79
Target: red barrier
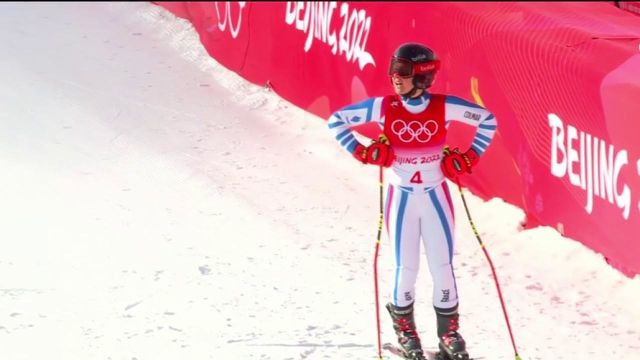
563,80
631,6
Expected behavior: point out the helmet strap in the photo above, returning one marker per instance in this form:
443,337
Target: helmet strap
412,93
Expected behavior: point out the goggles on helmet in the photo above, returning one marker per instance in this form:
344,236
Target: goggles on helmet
405,68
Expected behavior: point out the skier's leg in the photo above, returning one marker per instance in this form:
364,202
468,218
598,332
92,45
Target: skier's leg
403,229
438,225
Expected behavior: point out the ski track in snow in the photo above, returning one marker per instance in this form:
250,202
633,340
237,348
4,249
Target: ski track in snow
157,206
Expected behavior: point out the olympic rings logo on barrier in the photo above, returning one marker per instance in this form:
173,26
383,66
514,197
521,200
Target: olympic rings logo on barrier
414,130
226,17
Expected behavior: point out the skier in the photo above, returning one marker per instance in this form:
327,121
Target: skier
418,206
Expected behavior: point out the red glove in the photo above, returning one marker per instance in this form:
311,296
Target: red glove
360,153
376,154
455,163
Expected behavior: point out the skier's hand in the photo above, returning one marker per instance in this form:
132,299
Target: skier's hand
380,154
375,154
360,153
454,163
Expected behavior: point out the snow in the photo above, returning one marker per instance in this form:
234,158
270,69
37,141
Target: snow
157,206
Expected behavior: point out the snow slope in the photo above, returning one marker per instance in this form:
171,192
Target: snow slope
157,206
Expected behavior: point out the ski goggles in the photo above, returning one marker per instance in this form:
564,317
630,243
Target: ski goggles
405,68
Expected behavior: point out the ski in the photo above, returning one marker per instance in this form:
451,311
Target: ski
429,354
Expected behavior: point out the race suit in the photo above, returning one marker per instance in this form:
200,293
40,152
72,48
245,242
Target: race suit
418,204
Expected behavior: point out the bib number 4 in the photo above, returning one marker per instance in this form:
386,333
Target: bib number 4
416,178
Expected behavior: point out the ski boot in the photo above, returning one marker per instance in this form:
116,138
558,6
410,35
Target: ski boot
405,328
452,345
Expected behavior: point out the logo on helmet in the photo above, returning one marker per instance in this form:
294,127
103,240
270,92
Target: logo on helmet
419,57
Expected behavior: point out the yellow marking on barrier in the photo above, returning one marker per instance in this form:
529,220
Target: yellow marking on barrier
474,91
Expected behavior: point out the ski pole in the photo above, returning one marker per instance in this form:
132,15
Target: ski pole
384,140
493,270
375,268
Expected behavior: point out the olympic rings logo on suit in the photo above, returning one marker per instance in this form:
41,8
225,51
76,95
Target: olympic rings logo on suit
414,130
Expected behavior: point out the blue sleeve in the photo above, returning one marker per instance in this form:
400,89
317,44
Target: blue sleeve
342,121
457,109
